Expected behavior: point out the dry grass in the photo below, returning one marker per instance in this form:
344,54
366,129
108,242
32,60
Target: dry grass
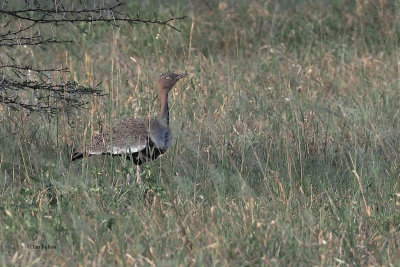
286,146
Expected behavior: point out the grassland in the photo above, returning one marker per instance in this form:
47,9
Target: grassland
286,142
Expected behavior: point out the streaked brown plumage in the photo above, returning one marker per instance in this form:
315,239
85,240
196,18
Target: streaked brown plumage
138,139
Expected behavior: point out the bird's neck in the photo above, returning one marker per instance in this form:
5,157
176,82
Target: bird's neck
164,112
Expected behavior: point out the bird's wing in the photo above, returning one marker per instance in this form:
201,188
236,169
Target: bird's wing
128,136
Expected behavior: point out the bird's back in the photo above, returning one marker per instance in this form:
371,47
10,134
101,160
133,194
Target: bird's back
129,137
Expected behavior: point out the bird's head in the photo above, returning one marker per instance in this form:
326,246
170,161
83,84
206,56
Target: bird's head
166,81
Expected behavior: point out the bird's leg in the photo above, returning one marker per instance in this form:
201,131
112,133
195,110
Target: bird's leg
138,178
128,179
128,175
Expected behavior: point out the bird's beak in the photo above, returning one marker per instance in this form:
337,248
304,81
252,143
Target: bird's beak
180,76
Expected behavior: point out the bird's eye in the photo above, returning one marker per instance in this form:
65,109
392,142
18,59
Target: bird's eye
167,77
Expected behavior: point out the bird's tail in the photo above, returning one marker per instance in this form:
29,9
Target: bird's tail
77,154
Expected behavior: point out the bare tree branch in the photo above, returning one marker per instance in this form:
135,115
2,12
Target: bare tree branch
58,15
46,95
33,69
33,88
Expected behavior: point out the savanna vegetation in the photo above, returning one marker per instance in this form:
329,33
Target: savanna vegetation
286,144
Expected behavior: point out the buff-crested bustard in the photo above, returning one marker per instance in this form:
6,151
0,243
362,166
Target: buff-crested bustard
138,139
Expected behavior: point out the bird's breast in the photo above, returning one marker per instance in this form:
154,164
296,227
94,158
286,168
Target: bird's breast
161,136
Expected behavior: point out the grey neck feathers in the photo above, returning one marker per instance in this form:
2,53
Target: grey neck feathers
164,112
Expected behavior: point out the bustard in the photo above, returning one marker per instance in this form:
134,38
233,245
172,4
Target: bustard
138,139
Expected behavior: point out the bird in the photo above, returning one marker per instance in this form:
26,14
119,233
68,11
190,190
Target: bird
138,139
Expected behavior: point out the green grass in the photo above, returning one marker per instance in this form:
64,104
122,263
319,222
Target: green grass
286,142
